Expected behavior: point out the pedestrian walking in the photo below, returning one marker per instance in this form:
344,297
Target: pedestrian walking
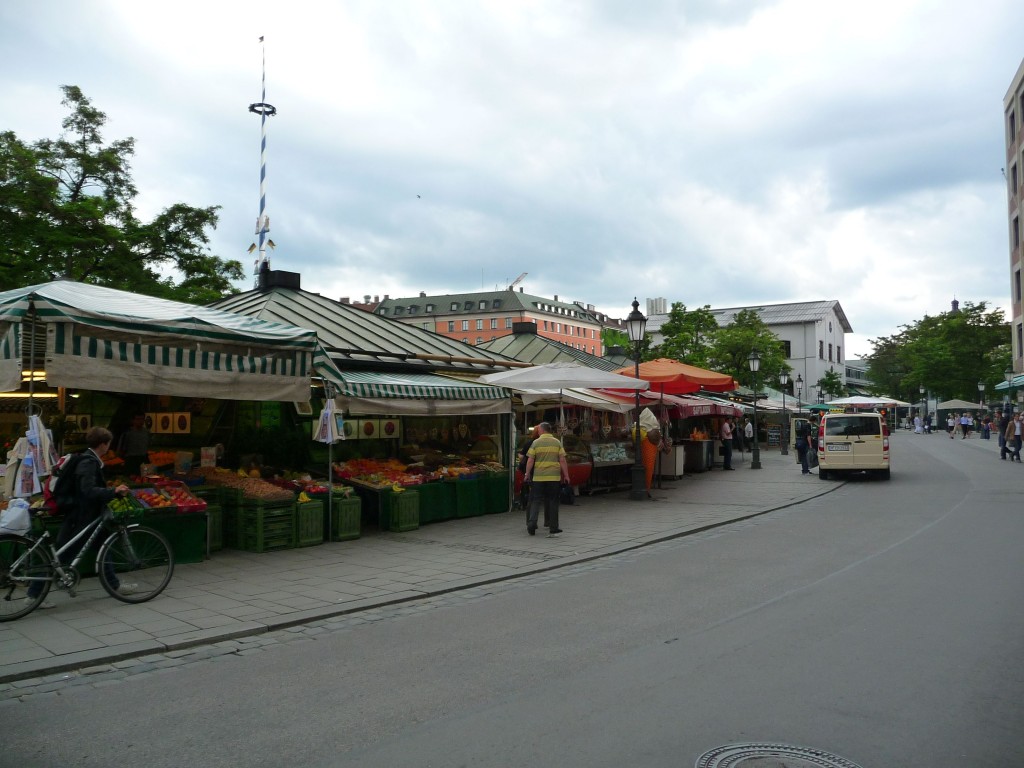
547,468
725,433
803,446
1013,437
951,425
1004,420
748,433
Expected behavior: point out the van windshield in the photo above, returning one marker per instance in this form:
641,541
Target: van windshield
848,426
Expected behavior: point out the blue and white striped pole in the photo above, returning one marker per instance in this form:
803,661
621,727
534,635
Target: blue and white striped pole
264,110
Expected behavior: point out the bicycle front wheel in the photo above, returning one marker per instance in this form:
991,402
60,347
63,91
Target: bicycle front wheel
135,564
18,568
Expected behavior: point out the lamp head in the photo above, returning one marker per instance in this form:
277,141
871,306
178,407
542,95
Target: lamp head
783,378
755,361
636,323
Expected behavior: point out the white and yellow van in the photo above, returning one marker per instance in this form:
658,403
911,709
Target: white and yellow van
853,442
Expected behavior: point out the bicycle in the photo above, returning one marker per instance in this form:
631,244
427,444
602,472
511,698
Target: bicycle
129,548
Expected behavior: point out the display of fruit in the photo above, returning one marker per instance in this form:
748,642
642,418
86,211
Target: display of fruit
151,498
161,458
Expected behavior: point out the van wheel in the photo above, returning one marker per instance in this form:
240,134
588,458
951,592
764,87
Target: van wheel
822,474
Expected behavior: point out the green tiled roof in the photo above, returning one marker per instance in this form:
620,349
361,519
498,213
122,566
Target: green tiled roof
531,348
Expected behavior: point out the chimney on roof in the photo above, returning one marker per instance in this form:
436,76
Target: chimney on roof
376,299
277,278
423,294
366,298
556,297
344,300
520,289
386,297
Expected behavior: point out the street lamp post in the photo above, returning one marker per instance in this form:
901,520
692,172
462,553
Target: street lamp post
784,382
981,393
636,324
924,403
1008,375
799,392
755,365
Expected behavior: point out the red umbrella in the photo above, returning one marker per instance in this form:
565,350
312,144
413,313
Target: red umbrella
675,378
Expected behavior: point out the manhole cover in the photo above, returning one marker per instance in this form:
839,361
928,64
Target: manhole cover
770,756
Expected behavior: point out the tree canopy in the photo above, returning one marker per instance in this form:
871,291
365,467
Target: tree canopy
948,354
686,335
66,211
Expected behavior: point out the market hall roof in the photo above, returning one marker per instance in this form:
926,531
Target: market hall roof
110,340
531,348
355,339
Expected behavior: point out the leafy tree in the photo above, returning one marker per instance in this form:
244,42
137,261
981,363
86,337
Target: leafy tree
66,211
832,385
687,335
947,353
733,344
612,337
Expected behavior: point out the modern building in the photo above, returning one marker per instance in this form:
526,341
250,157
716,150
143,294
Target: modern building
1013,111
812,333
482,316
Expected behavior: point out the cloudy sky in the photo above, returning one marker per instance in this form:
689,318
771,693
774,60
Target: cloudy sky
721,152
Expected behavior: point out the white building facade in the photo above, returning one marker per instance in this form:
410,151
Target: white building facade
812,334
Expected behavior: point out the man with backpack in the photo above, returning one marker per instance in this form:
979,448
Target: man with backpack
88,497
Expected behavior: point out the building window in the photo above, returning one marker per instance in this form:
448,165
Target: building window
451,326
1016,286
426,327
821,350
787,349
454,307
479,325
839,354
830,353
1013,178
1016,232
399,310
558,327
468,306
1013,126
497,303
430,307
465,325
1020,338
494,323
479,339
508,322
483,305
545,325
382,311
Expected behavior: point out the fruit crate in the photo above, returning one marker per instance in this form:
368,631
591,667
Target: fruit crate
346,518
309,523
403,510
262,529
468,498
431,501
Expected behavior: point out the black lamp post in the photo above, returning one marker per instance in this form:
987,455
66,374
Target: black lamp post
799,392
981,393
636,324
1008,375
784,382
924,401
755,366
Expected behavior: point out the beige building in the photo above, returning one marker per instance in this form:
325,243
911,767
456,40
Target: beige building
1013,111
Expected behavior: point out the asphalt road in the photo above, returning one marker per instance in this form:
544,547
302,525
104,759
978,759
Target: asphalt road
882,623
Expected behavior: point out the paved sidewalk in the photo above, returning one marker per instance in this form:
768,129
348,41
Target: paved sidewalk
239,593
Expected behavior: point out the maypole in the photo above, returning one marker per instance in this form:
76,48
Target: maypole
264,110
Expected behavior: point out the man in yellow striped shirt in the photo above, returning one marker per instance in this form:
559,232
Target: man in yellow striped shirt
547,468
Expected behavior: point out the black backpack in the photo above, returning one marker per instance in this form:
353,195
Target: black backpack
61,486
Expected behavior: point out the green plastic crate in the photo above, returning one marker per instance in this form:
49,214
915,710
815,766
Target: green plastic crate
263,528
215,520
346,518
431,501
309,523
404,511
496,492
468,498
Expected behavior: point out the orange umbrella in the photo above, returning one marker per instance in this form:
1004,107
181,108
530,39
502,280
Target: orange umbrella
675,378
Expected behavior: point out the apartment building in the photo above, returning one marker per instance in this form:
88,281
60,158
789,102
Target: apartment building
1013,110
482,316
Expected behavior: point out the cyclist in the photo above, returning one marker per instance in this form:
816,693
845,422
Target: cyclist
90,497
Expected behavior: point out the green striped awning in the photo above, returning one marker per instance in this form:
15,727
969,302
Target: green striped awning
416,385
109,340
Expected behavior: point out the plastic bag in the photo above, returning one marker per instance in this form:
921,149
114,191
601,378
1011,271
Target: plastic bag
16,518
